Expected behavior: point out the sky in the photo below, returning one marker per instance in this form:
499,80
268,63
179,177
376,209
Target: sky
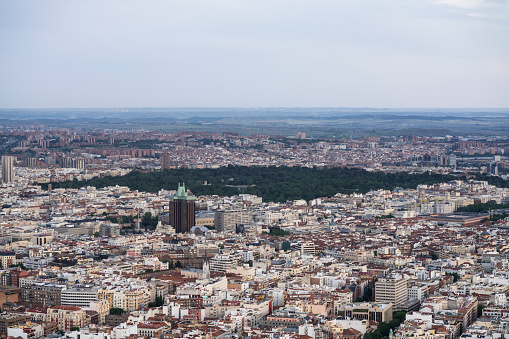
254,53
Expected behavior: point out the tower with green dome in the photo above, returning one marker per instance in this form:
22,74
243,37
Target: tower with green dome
182,211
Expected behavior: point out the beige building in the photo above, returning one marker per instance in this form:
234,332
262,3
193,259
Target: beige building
129,300
367,311
392,290
228,219
102,307
66,317
8,168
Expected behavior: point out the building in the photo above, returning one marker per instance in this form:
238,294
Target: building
306,248
220,263
392,290
66,317
8,168
30,162
26,331
420,293
228,219
367,311
11,319
7,258
109,230
81,296
165,161
72,163
45,294
460,218
102,307
182,215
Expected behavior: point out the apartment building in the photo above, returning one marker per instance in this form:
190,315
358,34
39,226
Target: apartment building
228,219
66,317
45,294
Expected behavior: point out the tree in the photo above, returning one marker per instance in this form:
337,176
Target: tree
178,264
384,328
75,328
480,307
159,302
20,265
368,294
97,234
116,311
455,276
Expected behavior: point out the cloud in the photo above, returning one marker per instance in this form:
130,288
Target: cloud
469,4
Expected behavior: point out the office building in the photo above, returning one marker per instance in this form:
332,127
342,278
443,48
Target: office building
182,215
80,296
367,311
8,168
392,290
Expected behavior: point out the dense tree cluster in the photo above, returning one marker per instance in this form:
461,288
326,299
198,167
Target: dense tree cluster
483,208
383,329
271,183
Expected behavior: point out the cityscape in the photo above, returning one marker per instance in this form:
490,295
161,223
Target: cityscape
254,169
88,253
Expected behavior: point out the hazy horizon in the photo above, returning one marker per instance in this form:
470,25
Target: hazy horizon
254,53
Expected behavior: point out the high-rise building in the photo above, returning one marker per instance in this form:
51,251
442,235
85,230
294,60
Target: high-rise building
8,168
392,290
492,168
182,215
165,161
30,162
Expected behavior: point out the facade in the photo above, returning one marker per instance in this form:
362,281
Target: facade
306,248
7,258
393,291
81,297
9,320
228,219
182,211
26,331
66,317
165,161
45,294
8,168
220,263
72,163
367,311
109,230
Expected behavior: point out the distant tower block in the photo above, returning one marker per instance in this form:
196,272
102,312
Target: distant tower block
165,161
422,193
8,168
182,215
300,135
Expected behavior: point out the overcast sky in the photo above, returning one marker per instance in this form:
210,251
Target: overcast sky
254,53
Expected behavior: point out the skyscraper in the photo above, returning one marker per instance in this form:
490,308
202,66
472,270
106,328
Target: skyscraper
8,168
165,161
182,210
